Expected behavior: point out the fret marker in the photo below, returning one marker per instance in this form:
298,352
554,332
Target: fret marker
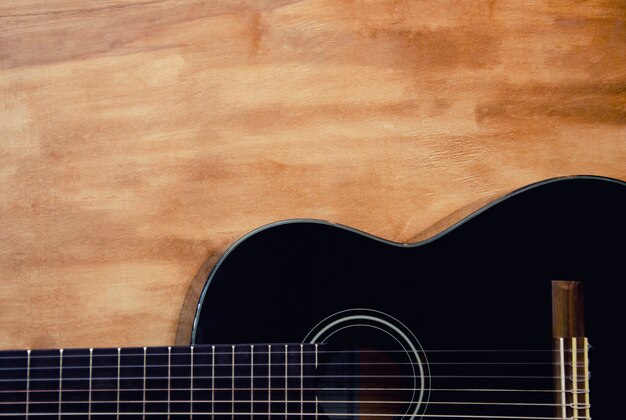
60,380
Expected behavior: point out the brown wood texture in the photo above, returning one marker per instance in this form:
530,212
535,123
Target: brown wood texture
570,356
568,311
139,138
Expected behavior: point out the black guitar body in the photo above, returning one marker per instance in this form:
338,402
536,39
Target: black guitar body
466,311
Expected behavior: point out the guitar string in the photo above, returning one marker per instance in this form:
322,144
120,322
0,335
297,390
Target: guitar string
302,414
139,350
182,377
378,402
287,402
289,364
324,389
318,389
359,352
262,401
377,376
319,364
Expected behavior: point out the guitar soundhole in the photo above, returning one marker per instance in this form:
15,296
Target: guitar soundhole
364,381
369,368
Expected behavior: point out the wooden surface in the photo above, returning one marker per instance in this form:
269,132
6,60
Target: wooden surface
568,309
138,139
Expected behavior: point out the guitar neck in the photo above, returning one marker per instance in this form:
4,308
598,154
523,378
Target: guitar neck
225,379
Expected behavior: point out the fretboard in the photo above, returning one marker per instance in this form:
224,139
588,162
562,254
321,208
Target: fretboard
166,382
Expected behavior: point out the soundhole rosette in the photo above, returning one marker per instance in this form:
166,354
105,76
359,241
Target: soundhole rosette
370,365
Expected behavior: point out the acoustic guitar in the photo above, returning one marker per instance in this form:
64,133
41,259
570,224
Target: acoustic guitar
308,319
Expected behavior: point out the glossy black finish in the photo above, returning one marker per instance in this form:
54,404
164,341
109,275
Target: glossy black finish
483,284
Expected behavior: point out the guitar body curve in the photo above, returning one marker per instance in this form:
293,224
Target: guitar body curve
483,284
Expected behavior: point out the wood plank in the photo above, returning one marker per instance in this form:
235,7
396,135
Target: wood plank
138,139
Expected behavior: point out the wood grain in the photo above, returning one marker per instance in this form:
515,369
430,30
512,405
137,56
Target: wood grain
568,310
571,346
139,138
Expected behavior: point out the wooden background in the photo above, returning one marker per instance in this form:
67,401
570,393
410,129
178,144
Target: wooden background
138,139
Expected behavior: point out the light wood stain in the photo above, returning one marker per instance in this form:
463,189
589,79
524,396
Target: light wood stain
139,138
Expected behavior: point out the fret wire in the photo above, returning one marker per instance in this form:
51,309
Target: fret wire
143,402
60,381
562,356
27,383
286,386
316,399
169,379
90,373
191,386
574,380
232,392
269,378
119,354
301,378
212,381
252,379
